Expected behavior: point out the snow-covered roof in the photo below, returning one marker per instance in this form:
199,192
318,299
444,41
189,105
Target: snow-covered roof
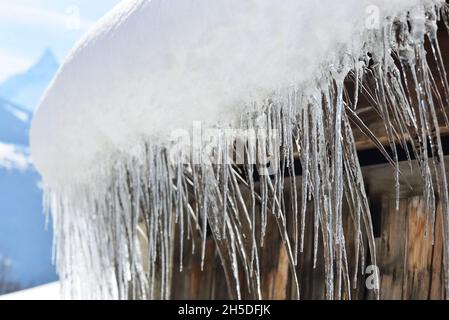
150,67
278,67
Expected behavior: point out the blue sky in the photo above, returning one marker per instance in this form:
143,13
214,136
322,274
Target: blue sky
28,27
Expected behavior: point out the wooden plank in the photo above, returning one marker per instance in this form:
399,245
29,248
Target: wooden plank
436,278
419,251
390,250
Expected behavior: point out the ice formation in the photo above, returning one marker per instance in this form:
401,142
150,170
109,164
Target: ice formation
103,135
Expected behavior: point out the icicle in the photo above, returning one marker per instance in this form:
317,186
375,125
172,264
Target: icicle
133,213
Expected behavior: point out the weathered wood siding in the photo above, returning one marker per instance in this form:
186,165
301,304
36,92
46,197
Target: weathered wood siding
409,256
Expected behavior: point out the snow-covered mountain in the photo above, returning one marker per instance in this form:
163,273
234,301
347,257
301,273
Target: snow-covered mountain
23,239
27,88
14,123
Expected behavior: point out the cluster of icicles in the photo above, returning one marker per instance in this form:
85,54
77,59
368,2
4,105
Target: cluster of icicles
119,242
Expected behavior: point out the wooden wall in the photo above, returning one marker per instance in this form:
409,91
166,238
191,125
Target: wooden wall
410,265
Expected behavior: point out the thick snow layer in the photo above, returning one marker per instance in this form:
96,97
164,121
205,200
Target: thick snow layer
150,67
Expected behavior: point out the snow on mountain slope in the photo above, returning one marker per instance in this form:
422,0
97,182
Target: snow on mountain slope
48,292
13,157
14,123
23,238
26,89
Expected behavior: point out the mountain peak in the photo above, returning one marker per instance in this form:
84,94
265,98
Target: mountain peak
47,60
48,52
